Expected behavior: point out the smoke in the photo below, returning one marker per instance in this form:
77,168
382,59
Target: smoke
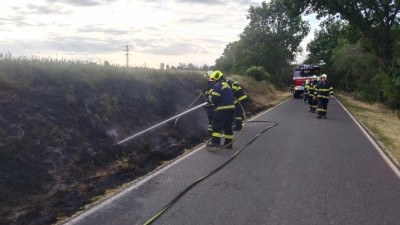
194,124
116,131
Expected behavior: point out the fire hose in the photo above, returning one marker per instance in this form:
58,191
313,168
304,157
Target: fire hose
159,124
161,211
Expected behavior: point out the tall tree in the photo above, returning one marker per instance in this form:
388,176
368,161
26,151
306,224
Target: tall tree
374,18
325,41
332,35
271,40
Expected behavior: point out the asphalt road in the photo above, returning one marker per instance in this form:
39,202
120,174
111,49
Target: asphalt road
303,171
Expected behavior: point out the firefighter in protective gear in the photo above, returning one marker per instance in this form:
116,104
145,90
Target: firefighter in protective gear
311,99
306,86
224,108
209,107
323,91
242,98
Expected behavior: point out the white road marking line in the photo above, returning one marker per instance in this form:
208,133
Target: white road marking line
380,151
142,180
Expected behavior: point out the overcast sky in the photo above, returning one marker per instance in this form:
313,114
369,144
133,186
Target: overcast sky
157,31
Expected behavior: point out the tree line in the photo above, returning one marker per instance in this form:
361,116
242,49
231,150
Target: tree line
358,43
184,66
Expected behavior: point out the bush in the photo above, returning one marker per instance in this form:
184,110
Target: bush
391,93
358,71
258,73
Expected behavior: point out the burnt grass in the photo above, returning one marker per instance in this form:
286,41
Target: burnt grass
58,135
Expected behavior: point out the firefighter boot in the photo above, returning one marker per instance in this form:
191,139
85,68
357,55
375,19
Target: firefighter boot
213,145
228,144
238,124
237,128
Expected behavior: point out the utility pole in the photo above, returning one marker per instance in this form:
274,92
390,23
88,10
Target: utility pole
127,56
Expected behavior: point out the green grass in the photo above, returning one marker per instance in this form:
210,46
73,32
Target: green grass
383,123
20,73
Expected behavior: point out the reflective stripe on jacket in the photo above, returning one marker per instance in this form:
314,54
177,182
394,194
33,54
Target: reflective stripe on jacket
323,89
238,92
208,92
306,89
311,90
222,96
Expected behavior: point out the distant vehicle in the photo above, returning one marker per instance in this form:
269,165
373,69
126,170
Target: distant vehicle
300,74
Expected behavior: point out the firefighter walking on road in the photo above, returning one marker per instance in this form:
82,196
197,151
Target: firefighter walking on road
311,99
241,100
306,86
323,91
224,108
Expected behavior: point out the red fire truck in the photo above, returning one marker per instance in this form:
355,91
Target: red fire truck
300,74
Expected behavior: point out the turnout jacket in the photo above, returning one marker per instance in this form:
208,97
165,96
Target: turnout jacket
222,96
208,92
323,89
238,92
306,89
312,89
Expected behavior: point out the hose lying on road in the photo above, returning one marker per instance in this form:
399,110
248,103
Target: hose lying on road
159,213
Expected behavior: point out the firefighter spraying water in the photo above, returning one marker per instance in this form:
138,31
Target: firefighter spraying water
224,109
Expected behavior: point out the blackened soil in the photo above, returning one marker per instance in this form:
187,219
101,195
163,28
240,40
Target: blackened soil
58,139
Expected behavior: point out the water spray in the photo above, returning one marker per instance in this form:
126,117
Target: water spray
188,108
159,124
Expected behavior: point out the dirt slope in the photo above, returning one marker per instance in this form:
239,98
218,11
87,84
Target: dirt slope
58,135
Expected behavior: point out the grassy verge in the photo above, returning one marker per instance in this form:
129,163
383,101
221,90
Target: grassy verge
263,94
380,121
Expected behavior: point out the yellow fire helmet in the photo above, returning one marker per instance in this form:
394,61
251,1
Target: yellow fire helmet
216,75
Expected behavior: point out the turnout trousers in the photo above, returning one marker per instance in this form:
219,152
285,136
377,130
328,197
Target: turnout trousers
322,106
210,114
305,98
239,114
312,102
222,123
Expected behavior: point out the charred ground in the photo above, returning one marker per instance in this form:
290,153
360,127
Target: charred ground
59,124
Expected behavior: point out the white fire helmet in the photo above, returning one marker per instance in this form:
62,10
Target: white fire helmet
314,77
324,76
